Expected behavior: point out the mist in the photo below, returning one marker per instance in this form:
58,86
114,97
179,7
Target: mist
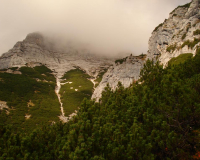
106,27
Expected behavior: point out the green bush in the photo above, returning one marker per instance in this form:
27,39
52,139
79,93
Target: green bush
183,6
99,77
172,48
190,44
160,25
197,32
121,60
183,37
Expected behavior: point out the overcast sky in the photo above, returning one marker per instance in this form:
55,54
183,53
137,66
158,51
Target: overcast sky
107,26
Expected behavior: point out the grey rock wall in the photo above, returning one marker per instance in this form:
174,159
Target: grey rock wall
126,73
182,22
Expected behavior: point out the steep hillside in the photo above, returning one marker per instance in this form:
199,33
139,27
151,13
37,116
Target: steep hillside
176,35
27,97
77,73
156,119
126,71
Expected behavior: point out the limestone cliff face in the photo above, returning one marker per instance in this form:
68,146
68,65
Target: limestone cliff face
167,40
35,49
126,73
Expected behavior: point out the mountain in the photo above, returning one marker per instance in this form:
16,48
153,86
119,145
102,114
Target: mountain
179,34
156,117
172,42
37,48
72,72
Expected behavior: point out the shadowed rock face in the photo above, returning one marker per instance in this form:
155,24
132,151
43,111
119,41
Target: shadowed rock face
175,30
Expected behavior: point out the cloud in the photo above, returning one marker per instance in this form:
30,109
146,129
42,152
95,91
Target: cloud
106,26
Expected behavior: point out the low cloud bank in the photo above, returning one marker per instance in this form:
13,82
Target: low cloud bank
107,27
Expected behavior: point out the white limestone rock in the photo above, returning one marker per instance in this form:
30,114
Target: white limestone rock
183,21
35,50
126,73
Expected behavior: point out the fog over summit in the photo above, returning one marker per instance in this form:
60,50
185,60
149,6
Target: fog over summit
103,26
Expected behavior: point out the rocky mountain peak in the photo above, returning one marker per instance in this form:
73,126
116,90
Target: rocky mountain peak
37,48
36,38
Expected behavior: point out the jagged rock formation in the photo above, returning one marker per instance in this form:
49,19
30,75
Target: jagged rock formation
126,73
35,49
177,33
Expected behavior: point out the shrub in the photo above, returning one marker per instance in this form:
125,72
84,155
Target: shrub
183,6
171,48
121,60
160,25
197,32
100,76
190,44
183,37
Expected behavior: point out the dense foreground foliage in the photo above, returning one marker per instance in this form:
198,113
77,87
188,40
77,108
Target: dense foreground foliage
157,119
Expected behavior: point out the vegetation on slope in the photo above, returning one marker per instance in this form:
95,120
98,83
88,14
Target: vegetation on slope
180,59
73,93
121,60
27,96
197,32
190,44
187,5
183,37
157,119
160,25
100,76
172,48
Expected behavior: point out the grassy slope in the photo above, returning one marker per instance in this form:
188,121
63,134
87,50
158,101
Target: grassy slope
72,99
180,59
19,90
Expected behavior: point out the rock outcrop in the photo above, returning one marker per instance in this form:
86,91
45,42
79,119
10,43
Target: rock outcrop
125,72
176,35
